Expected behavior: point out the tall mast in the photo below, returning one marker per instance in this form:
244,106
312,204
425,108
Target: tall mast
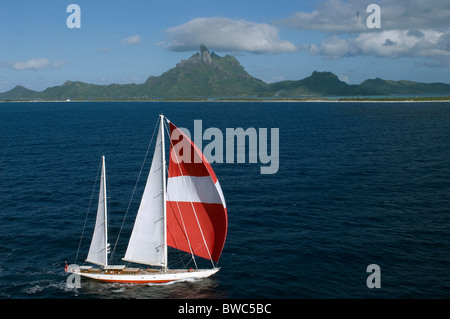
163,167
106,210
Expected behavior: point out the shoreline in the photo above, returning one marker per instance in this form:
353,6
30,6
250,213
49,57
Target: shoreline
268,100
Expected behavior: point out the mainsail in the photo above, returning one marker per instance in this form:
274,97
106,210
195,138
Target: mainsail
98,251
196,211
146,245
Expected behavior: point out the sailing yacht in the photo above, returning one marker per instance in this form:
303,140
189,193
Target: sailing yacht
185,210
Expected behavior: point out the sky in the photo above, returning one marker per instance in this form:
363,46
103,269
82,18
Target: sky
41,44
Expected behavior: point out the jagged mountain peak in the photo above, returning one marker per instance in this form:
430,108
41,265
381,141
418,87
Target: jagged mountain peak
205,55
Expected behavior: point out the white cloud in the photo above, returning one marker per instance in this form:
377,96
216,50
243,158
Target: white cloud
228,35
338,16
35,64
333,16
334,47
392,43
411,28
344,78
134,39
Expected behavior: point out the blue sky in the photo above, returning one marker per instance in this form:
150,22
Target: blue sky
127,41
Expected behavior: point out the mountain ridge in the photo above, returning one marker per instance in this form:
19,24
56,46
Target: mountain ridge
208,75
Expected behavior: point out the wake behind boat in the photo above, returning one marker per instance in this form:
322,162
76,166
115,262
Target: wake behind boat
188,214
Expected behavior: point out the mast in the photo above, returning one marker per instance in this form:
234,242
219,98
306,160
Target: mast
163,167
106,210
99,249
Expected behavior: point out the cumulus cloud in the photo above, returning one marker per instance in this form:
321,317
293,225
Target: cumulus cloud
227,35
134,39
392,43
35,64
338,16
412,28
333,16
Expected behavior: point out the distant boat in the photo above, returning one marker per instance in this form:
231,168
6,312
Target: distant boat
67,100
189,214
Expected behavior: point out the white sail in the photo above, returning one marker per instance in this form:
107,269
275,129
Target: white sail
147,241
201,208
98,253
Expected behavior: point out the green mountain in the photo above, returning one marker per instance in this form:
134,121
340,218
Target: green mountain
81,90
205,74
318,84
387,87
208,75
19,93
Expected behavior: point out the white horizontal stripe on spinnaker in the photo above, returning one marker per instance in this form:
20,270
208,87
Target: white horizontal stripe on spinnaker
193,189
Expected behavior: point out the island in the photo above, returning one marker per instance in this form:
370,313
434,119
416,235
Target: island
206,76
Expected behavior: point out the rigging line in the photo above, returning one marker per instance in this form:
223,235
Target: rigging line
87,213
187,236
132,194
181,262
192,204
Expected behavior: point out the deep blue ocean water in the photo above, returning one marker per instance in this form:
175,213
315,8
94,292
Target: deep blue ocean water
358,184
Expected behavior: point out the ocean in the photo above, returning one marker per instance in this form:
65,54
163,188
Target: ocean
357,184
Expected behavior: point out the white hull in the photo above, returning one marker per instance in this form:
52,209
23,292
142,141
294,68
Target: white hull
144,276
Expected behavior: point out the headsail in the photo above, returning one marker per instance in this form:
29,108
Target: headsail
98,251
146,245
196,211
